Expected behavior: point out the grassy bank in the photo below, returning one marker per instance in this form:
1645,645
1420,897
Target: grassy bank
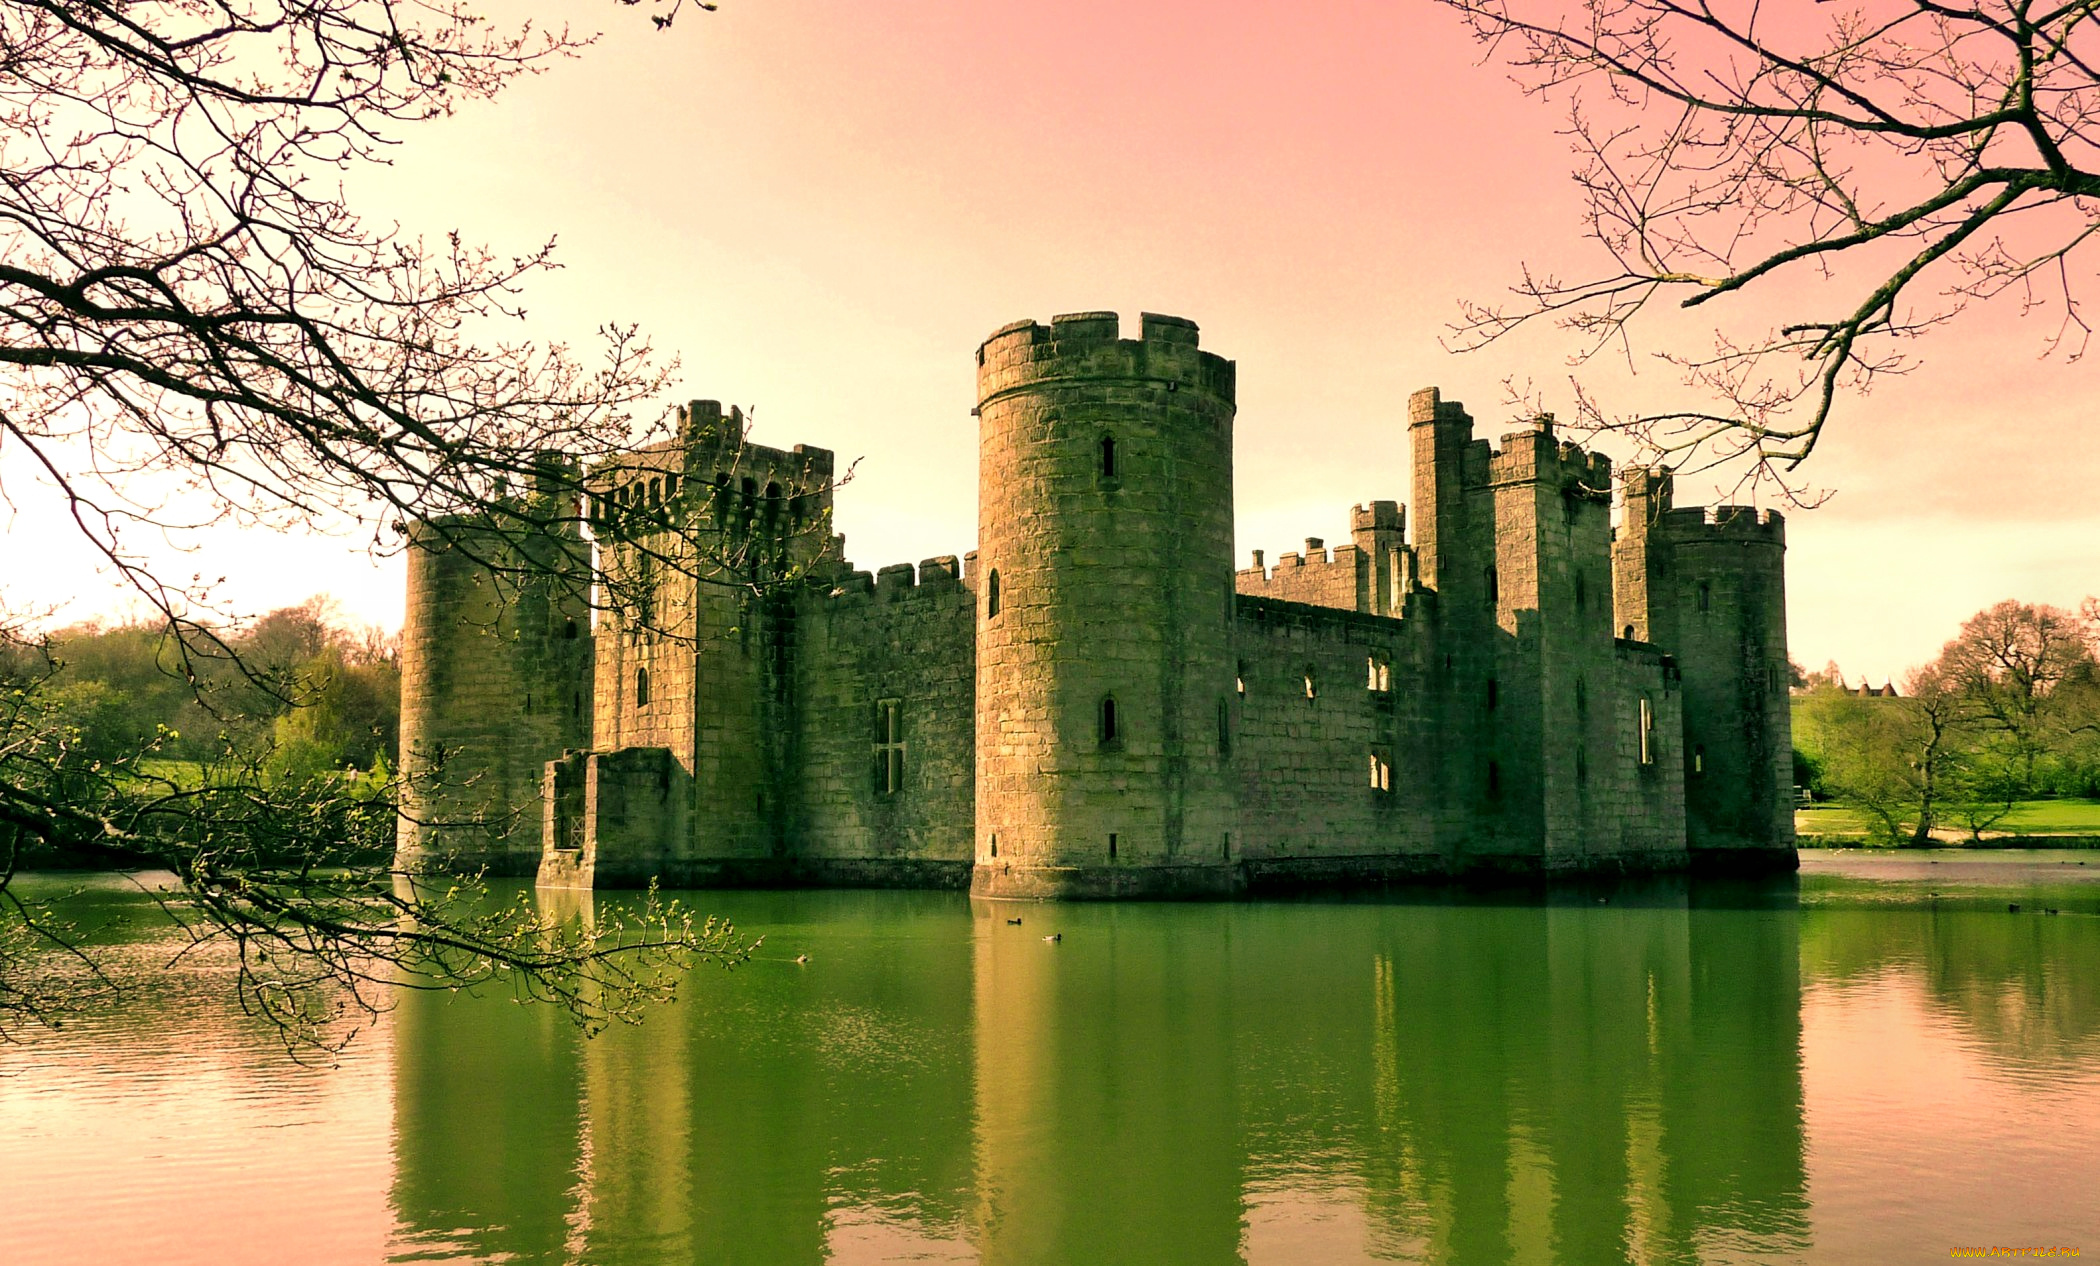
2032,823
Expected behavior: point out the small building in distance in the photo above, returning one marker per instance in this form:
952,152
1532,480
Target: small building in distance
1095,702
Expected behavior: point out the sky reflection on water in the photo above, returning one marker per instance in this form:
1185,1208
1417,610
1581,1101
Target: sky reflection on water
1826,1070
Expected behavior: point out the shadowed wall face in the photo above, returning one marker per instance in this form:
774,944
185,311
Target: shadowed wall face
495,681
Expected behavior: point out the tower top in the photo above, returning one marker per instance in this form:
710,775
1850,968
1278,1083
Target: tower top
1089,345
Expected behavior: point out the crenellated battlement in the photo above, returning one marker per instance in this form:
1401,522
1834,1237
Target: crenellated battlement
1534,454
1373,575
712,472
1379,516
1693,524
1649,494
1089,345
934,577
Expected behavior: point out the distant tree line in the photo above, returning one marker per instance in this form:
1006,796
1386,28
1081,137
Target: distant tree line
297,694
2008,711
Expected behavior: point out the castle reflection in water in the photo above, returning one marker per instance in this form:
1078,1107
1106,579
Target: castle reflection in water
1478,1081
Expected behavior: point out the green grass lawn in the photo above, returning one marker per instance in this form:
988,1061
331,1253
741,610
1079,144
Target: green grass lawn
2029,817
185,774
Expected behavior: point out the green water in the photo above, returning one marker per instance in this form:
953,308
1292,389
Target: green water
1874,1062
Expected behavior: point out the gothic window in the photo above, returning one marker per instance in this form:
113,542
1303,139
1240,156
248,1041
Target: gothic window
1109,469
1628,635
1312,691
1381,772
1380,674
1706,597
568,629
1647,733
889,747
641,687
1239,679
1111,725
991,595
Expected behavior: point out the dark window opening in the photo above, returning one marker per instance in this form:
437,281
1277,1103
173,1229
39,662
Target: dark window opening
1111,846
641,687
1494,779
1706,597
670,487
1226,852
1699,760
995,846
1494,588
889,747
1494,693
656,493
1629,633
991,594
568,629
1111,727
1108,457
1224,728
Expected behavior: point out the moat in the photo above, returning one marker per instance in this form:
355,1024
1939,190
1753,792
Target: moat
1873,1060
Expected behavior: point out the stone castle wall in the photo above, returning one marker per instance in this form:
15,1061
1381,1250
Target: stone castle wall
1373,573
904,638
1335,763
1094,703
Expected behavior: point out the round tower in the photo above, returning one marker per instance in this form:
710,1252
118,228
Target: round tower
495,682
1105,611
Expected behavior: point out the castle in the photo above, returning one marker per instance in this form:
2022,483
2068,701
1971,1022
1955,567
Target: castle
1095,703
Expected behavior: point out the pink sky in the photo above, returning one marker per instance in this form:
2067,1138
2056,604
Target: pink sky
823,208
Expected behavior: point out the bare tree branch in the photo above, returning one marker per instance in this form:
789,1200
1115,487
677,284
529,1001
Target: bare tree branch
1924,156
